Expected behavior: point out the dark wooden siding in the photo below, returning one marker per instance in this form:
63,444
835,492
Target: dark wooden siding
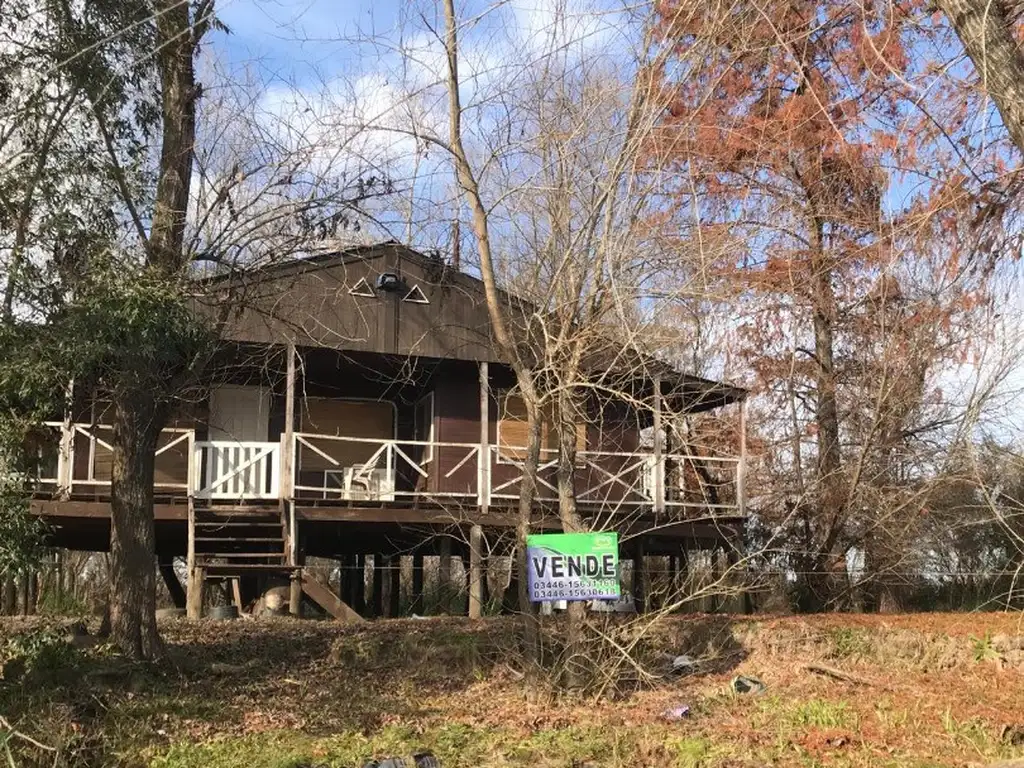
457,415
312,306
457,404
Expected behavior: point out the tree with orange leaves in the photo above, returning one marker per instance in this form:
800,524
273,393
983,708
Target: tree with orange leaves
785,124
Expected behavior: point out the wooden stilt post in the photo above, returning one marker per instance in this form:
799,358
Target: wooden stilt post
65,458
377,609
194,609
286,489
395,581
659,452
33,591
476,533
741,467
476,582
484,459
417,582
683,572
345,567
359,585
10,595
717,574
444,573
639,576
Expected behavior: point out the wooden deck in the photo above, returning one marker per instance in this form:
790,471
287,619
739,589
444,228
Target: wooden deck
83,523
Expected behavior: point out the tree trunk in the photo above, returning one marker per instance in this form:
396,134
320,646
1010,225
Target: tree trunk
176,41
568,513
986,33
527,493
830,495
132,540
10,596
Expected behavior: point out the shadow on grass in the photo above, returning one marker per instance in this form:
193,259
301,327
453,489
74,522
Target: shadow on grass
238,678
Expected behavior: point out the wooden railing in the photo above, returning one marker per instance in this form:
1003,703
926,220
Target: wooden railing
229,469
387,470
82,457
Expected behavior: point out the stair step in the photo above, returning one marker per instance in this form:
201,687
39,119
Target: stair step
227,569
239,523
257,555
240,539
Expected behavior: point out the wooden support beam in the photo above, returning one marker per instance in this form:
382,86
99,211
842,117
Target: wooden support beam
476,585
10,595
484,459
377,608
236,594
717,578
359,585
395,582
640,575
33,591
197,579
66,455
659,451
346,564
737,578
190,554
417,583
295,557
288,435
322,595
444,574
741,467
174,587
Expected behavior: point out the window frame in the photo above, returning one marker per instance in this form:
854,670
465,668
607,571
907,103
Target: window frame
547,452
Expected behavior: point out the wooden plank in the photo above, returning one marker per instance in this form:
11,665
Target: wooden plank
322,595
229,569
100,509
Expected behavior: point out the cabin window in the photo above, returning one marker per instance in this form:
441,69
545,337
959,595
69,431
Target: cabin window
371,420
513,434
425,424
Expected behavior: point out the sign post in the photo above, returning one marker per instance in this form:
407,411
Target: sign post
573,566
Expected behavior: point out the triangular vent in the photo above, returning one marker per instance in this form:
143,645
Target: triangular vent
362,288
416,296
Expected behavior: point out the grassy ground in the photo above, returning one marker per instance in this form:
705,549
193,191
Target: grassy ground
922,690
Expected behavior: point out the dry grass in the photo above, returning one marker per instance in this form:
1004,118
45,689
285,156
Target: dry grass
926,690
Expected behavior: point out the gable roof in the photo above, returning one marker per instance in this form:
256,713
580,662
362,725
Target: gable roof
311,302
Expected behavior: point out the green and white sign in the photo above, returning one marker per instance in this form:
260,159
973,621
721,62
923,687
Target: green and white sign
573,566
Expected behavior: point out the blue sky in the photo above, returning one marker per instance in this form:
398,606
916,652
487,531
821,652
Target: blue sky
291,36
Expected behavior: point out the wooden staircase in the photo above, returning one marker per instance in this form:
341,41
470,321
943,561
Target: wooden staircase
226,542
232,541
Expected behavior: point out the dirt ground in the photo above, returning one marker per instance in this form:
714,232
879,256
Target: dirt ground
840,690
